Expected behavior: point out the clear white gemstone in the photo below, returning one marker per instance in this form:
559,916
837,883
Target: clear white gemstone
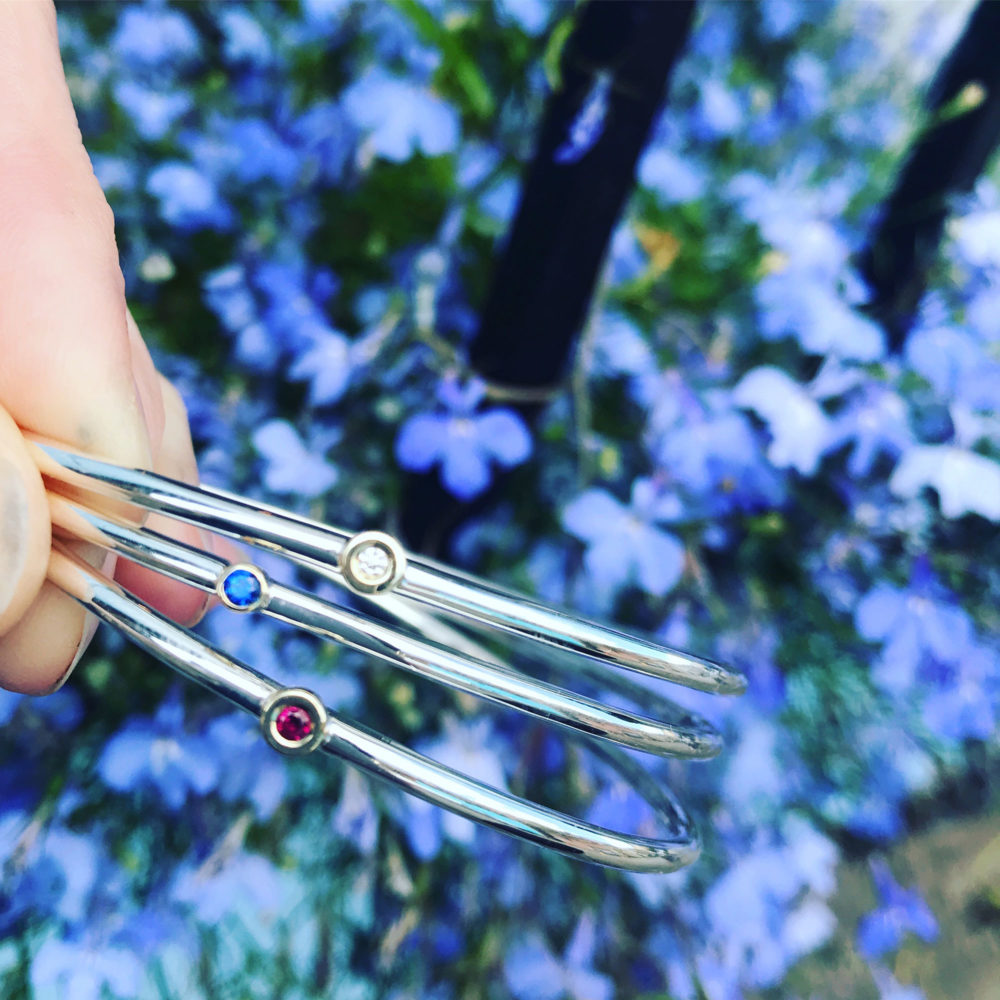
372,564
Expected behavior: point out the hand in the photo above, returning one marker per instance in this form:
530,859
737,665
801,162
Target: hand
73,365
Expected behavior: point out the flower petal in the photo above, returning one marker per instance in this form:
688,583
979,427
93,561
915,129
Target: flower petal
593,515
504,435
421,442
659,558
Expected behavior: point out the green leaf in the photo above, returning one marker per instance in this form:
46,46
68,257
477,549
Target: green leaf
552,57
457,63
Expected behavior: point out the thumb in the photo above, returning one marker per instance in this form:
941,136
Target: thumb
69,369
24,526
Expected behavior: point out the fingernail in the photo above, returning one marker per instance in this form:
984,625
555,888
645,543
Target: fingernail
13,530
89,628
201,612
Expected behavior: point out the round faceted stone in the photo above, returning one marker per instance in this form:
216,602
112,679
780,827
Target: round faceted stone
294,723
242,588
372,564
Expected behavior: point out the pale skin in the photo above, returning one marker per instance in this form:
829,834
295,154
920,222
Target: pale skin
73,365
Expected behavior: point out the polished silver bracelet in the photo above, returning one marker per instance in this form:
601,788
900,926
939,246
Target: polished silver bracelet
432,602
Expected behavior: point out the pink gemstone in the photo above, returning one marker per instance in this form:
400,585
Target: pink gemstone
294,724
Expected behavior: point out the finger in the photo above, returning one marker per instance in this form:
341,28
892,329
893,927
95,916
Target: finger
32,608
68,367
149,384
24,526
176,460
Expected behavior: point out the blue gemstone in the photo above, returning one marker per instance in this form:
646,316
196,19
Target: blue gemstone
242,588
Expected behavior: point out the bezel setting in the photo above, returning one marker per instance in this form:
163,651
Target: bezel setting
239,569
372,575
298,698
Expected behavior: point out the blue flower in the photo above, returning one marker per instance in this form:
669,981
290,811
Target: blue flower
809,290
290,467
326,364
325,139
531,16
154,36
890,988
260,153
48,872
396,39
623,543
324,13
79,860
712,451
252,771
982,312
817,315
719,112
892,768
945,356
706,446
809,84
245,39
901,911
115,173
715,33
762,769
620,349
876,422
227,293
673,177
83,970
963,699
626,258
767,908
800,430
462,441
153,111
158,754
236,885
401,118
780,18
911,623
533,972
292,318
977,237
965,482
499,199
187,198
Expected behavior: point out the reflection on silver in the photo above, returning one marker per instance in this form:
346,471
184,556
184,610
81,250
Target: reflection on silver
415,591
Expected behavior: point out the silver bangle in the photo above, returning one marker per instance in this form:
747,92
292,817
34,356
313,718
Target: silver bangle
423,594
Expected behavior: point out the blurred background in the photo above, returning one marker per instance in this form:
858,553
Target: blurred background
682,316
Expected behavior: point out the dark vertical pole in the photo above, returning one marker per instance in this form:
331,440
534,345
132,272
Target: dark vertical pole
573,195
614,73
963,114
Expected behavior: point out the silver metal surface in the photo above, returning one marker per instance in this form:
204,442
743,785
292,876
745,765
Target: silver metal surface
380,756
414,591
319,546
682,735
